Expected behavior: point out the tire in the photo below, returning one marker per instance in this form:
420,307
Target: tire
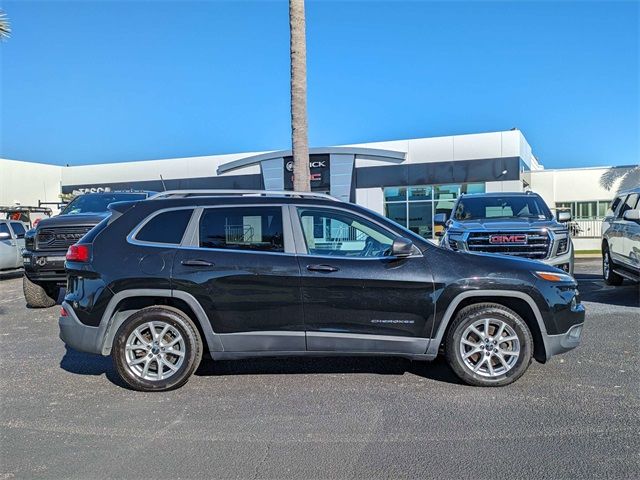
495,373
164,371
610,277
39,295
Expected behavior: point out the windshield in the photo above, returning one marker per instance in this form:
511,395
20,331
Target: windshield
97,203
529,206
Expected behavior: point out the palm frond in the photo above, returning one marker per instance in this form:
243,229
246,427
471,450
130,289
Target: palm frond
5,27
628,178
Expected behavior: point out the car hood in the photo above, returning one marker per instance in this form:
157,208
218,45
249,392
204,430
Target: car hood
81,219
492,224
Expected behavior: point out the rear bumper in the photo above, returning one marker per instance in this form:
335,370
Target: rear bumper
77,335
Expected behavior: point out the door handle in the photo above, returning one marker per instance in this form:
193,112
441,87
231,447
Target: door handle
322,268
196,263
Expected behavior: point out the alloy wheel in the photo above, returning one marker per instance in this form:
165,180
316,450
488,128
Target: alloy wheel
155,351
489,347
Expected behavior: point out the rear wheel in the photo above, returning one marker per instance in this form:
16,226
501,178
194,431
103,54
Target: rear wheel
489,345
39,295
610,277
157,349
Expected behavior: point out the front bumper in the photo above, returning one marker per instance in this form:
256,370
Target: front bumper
77,335
45,266
563,262
573,320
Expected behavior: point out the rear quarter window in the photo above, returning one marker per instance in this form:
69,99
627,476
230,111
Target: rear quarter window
166,227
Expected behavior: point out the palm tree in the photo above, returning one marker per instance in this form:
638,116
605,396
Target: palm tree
5,28
629,178
299,137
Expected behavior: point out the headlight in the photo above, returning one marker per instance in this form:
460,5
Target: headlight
563,246
554,277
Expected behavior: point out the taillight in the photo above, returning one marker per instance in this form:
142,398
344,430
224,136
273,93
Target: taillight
79,253
63,312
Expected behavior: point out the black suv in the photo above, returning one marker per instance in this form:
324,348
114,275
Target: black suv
237,275
47,244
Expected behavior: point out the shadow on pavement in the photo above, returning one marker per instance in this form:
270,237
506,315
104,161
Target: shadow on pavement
437,370
593,289
89,364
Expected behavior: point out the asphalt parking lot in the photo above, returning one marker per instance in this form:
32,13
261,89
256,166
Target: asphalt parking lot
64,413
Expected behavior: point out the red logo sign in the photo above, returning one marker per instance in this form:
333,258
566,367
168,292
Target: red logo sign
493,239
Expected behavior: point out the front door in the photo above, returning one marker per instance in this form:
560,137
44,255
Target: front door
7,247
18,232
246,277
356,297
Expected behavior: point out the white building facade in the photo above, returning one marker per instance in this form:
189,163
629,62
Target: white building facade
406,180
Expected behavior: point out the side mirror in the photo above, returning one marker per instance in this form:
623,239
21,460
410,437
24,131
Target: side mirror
632,215
440,219
564,216
401,247
5,236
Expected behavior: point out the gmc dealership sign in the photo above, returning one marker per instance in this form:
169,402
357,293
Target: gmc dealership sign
318,167
507,239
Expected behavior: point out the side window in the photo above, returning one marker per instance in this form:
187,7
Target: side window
242,228
167,227
615,204
4,228
18,229
335,233
629,204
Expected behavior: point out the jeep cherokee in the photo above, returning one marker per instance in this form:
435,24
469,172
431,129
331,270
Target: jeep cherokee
249,274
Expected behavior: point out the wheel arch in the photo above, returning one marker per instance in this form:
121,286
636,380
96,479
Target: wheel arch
520,302
127,302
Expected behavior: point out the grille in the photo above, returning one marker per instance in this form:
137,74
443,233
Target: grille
59,238
536,245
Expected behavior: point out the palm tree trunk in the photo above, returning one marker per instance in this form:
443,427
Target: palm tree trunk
299,137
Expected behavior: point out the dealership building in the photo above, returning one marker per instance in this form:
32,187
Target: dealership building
407,180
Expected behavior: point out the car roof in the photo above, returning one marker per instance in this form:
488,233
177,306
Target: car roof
628,191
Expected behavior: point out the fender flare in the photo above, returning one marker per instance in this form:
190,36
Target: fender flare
436,340
110,322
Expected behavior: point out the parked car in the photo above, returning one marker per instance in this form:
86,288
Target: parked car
256,274
47,243
11,244
621,239
518,224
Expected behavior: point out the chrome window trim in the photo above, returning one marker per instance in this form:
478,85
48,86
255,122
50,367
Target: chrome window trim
131,238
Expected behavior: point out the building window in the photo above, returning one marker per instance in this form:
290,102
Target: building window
414,207
591,210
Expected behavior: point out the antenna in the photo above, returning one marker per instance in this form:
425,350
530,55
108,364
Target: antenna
164,187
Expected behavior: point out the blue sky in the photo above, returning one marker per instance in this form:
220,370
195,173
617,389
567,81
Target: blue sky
103,81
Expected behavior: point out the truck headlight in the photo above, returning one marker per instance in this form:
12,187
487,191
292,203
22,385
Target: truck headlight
563,246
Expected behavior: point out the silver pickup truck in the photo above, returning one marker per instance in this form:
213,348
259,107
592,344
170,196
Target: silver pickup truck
518,224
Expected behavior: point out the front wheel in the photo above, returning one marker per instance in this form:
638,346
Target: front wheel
157,349
489,345
39,295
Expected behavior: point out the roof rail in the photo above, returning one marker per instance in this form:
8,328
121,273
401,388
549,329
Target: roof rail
240,193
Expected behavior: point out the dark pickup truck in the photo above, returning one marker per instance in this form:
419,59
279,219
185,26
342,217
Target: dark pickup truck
47,244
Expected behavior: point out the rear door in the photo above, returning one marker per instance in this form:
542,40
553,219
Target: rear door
241,267
356,297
